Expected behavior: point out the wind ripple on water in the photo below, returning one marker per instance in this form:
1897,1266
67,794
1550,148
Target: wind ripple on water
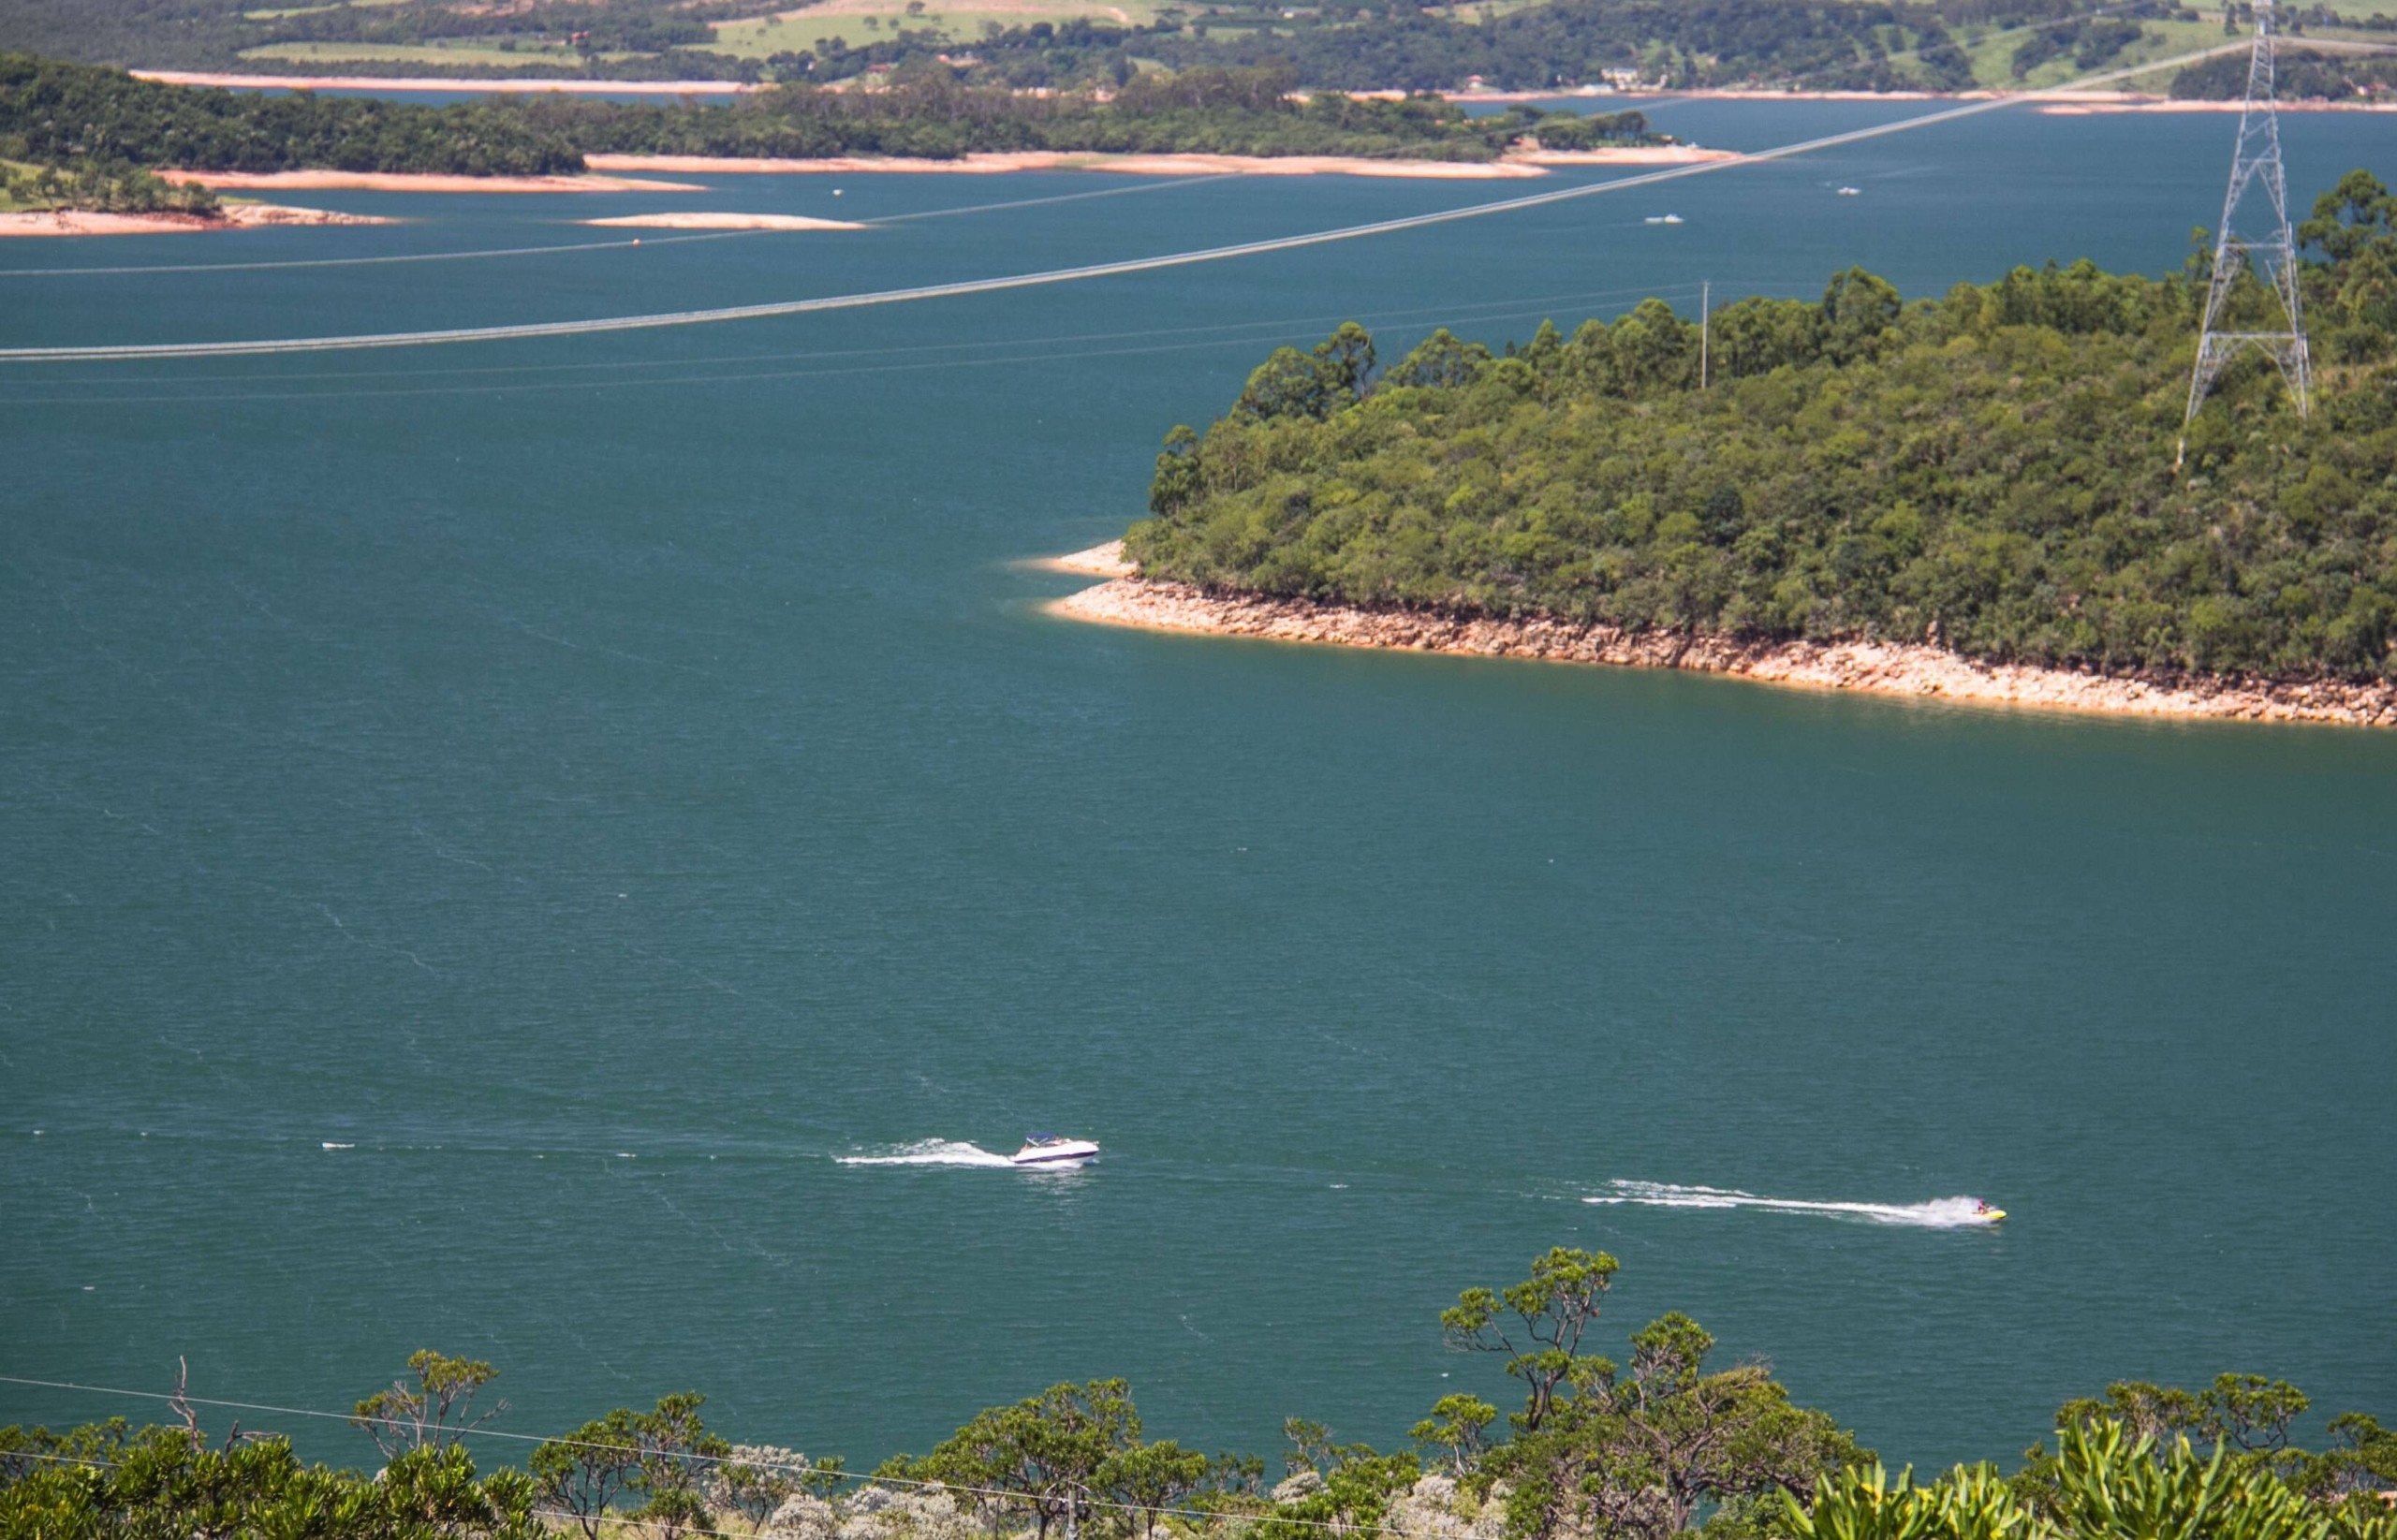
1939,1213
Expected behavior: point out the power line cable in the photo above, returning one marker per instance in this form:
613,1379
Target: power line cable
1029,280
1462,313
1060,197
550,387
373,261
586,245
1249,336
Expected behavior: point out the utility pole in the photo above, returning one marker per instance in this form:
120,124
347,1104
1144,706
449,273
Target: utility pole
2259,232
1705,322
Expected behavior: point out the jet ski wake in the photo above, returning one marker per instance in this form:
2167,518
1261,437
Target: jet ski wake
1939,1213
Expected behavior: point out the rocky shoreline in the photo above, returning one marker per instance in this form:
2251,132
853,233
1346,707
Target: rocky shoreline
1890,669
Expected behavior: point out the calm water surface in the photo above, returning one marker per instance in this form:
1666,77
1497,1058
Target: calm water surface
484,833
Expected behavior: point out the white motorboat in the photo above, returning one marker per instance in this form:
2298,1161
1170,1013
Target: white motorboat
1049,1152
1664,219
1851,192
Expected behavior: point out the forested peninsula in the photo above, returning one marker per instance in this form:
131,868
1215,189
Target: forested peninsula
1982,482
1668,1442
100,124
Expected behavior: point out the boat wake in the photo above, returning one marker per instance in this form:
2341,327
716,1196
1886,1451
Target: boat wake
1939,1213
927,1152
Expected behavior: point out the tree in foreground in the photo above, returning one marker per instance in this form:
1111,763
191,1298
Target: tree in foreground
665,1457
1044,1455
160,1483
436,1411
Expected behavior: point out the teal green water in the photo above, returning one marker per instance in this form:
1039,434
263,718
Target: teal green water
601,784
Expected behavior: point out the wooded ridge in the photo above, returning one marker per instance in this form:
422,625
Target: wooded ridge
1990,472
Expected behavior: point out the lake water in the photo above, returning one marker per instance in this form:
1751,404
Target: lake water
486,831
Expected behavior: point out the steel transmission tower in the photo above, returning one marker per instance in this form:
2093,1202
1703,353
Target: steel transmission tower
2252,231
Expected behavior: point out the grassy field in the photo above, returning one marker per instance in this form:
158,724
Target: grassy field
1474,12
316,10
859,21
9,171
1992,53
436,52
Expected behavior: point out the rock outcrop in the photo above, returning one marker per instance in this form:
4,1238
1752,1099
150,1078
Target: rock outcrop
1877,667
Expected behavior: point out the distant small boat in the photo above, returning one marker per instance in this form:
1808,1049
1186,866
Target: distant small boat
1664,219
1850,192
1050,1150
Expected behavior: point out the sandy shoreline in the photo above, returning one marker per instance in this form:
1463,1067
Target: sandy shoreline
1105,561
1513,164
2080,106
1873,668
422,182
237,216
1611,101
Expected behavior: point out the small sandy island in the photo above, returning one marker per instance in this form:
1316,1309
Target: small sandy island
236,217
719,221
422,182
1530,163
1105,561
1875,668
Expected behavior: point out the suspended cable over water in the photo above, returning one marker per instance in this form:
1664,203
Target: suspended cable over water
566,248
1029,280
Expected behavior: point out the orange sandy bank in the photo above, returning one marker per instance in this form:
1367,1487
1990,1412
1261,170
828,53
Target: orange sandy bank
2062,101
432,82
719,221
1873,668
236,217
1520,164
418,182
1105,561
2078,107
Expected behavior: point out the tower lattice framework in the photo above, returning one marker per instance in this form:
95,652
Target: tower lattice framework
2255,230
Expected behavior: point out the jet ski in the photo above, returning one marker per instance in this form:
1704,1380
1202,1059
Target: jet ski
1051,1151
1984,1214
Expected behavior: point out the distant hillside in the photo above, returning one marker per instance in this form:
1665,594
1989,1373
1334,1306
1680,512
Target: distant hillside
98,120
2303,75
1032,44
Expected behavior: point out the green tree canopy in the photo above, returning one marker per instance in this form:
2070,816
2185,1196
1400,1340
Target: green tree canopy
1048,1451
1991,470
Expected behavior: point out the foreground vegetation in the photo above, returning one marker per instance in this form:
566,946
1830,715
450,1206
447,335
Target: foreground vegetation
1659,1445
1991,471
